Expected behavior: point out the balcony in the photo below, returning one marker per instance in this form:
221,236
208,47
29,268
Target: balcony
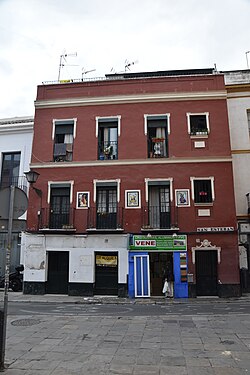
59,219
108,150
63,152
19,181
157,148
105,220
159,218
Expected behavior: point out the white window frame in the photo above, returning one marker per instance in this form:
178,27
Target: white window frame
211,178
206,245
197,114
152,116
117,181
55,184
111,118
62,121
148,180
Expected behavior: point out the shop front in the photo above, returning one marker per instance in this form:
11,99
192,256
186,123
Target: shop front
149,260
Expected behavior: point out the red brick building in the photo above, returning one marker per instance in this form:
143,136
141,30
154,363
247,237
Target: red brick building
123,161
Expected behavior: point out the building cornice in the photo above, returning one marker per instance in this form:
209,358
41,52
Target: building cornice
109,163
235,152
238,94
124,99
16,125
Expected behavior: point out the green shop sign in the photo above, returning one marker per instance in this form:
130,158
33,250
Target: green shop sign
159,243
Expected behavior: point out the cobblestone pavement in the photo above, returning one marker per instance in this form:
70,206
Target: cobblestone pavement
98,345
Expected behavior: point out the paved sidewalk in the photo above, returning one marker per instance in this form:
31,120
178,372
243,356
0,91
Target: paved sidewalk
152,345
58,298
128,345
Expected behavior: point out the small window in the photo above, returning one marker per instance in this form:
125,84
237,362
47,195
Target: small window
108,131
63,133
10,169
203,191
198,124
157,132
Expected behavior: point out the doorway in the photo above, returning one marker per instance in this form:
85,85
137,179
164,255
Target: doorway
58,272
158,262
106,273
206,272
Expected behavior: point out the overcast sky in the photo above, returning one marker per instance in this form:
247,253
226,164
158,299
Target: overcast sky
106,34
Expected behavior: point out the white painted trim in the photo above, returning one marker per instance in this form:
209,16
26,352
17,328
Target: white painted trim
135,275
70,183
170,180
116,117
61,120
152,115
188,114
132,162
140,98
117,181
206,245
192,179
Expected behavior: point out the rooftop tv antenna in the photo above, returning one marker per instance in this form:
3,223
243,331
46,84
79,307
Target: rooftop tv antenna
87,71
128,64
63,61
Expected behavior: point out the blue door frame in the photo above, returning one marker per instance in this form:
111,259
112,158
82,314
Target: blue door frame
180,287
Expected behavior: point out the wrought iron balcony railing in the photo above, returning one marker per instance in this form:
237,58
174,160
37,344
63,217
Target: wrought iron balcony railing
101,219
19,181
159,217
57,218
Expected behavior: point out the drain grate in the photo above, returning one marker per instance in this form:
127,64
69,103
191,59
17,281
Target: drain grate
25,322
229,342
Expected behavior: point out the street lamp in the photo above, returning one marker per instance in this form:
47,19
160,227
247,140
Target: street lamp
32,177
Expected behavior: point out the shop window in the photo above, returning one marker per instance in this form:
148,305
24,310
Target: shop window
156,129
198,124
63,139
108,130
202,190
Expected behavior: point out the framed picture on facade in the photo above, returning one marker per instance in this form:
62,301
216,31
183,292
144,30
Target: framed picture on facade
82,199
132,198
182,197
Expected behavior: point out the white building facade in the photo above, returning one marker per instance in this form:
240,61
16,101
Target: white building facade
16,135
238,93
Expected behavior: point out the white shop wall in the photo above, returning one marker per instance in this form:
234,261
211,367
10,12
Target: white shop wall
35,248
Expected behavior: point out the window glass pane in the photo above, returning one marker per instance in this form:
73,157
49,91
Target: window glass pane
202,191
64,129
10,169
198,124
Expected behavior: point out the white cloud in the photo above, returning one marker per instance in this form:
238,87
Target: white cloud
160,34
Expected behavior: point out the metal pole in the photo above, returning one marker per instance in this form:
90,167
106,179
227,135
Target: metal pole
247,59
7,274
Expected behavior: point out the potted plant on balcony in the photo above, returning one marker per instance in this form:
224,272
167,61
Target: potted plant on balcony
108,151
